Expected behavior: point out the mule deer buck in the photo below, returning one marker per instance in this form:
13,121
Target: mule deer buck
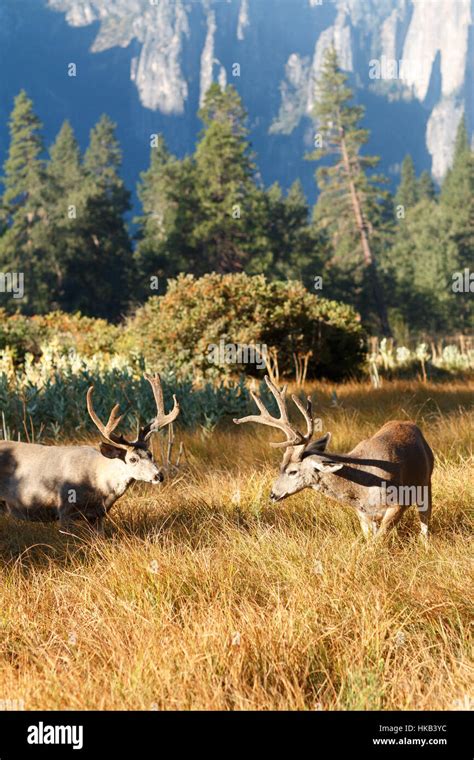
40,482
379,478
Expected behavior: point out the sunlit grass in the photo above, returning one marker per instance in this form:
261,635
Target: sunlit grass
204,595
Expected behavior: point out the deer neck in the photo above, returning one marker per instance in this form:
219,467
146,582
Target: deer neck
335,486
116,480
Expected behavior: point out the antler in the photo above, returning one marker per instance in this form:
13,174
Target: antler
293,436
113,422
161,419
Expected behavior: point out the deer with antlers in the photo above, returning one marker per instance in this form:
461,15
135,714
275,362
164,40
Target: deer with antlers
379,478
40,482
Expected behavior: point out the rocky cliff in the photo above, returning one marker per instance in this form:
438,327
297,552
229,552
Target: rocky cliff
422,46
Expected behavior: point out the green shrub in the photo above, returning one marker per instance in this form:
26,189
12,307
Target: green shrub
176,330
19,333
84,334
57,408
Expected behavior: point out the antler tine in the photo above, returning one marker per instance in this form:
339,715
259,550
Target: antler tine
112,423
280,398
155,382
307,414
282,423
161,419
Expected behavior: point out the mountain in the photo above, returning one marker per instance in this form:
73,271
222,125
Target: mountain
148,62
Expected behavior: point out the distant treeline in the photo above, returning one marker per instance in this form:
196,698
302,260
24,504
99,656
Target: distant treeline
62,219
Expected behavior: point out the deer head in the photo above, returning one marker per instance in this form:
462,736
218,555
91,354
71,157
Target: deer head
136,455
304,461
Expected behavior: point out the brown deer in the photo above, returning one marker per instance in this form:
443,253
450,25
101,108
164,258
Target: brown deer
379,478
40,482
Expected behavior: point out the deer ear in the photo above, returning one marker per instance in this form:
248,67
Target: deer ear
317,446
111,452
325,466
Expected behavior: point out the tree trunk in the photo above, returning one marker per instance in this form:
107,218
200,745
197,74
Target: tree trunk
369,259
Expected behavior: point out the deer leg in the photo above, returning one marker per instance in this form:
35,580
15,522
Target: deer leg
424,513
368,526
66,524
98,526
390,519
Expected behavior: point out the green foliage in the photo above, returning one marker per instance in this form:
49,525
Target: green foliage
421,362
85,335
62,225
62,219
57,408
407,193
290,247
166,245
207,212
202,213
20,334
433,241
425,186
100,278
23,217
352,206
177,329
224,184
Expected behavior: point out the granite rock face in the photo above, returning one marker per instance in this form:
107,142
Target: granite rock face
408,50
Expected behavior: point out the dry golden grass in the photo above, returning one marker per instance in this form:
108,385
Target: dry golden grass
202,595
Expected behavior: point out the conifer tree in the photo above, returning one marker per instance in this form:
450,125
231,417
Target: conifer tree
425,186
457,206
407,193
100,278
23,212
165,237
286,244
64,203
224,182
349,207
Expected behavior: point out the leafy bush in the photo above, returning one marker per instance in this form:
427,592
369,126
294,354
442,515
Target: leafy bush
27,335
399,362
176,330
86,335
40,405
20,334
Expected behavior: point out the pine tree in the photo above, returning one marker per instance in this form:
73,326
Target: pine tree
289,245
100,276
64,204
435,241
165,237
457,206
225,187
349,207
456,184
23,212
407,193
425,186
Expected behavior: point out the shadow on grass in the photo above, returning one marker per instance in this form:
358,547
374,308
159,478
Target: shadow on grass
196,525
30,546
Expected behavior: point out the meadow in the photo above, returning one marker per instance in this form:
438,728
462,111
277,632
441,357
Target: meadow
203,595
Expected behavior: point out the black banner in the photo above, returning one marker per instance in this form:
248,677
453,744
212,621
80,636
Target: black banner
375,734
